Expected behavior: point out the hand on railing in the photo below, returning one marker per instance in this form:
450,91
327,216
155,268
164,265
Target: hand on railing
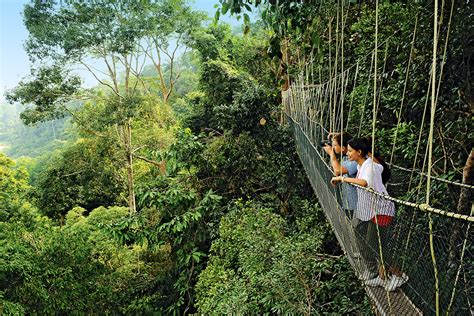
336,180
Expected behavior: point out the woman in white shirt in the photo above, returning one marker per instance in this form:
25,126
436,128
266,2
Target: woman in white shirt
374,215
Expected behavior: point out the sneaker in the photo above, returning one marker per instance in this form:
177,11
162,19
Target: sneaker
357,255
367,275
378,281
395,282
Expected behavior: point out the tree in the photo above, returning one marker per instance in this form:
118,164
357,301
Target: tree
14,189
79,267
84,174
123,36
260,265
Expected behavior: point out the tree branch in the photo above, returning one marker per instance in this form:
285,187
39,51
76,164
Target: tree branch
82,126
164,89
156,163
99,80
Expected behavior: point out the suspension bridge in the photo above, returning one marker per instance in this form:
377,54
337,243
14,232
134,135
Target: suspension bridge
411,240
431,238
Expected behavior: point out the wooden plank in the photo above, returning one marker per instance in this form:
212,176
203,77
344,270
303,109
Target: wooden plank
391,303
387,303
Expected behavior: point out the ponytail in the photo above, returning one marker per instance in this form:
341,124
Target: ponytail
386,173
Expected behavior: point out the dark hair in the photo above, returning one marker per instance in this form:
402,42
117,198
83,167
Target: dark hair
362,144
342,138
365,146
386,173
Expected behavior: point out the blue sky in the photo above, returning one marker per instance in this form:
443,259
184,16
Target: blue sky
13,59
14,63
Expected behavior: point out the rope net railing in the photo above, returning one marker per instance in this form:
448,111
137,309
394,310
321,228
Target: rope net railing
453,184
324,107
401,247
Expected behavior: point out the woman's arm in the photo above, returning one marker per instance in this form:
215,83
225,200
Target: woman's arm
360,182
335,164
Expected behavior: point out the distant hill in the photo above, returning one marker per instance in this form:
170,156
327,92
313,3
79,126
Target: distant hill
18,140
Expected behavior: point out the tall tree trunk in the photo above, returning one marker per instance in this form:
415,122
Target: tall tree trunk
465,206
166,95
283,74
54,130
129,166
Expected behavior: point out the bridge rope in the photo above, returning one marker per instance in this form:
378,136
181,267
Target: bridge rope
430,155
428,246
418,206
455,275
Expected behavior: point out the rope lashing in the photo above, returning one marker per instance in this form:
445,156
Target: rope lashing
427,241
416,297
420,206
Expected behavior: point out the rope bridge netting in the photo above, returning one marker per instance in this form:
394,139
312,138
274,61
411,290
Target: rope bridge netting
405,243
424,254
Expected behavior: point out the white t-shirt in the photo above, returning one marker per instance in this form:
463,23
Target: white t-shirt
369,205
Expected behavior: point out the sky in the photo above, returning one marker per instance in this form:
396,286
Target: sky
14,63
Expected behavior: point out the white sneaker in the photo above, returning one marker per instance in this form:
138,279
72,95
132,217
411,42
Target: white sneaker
367,275
378,281
357,255
395,282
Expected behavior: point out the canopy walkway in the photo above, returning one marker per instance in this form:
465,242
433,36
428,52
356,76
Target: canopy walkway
438,261
429,241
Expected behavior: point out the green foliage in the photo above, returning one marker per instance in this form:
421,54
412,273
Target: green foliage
235,100
240,103
83,174
246,167
183,223
77,37
14,190
284,19
10,308
256,267
77,267
47,91
247,154
155,124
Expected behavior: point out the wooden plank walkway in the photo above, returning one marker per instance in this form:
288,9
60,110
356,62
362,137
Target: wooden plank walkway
386,303
393,303
399,303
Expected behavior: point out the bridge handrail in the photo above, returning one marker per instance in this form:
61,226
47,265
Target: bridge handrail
422,207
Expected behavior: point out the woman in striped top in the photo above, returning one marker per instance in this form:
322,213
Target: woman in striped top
374,215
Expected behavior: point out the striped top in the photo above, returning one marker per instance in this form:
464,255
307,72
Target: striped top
369,205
